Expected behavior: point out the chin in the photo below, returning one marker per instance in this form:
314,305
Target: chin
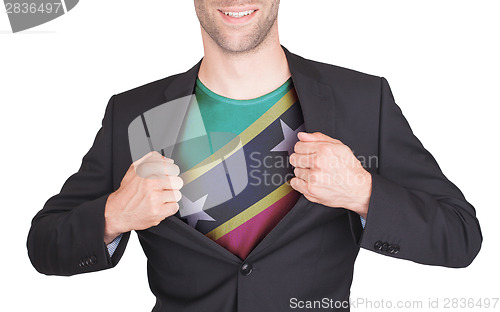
238,44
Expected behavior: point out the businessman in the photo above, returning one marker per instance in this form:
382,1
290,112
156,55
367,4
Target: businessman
280,169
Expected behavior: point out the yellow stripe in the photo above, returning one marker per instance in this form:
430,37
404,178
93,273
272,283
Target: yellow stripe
246,136
250,212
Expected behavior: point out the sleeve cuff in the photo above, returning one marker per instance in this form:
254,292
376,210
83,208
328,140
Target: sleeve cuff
112,246
363,221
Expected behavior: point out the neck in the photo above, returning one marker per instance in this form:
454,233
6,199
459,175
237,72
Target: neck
245,75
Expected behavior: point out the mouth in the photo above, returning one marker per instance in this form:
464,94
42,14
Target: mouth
234,16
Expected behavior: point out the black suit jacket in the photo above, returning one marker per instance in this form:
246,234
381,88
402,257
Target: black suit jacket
415,212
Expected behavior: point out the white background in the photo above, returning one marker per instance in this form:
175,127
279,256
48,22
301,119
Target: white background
441,59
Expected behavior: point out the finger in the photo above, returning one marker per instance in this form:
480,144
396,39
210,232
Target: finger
313,147
301,173
301,186
165,183
171,208
146,156
168,160
302,147
157,157
172,183
316,137
157,169
170,196
135,164
152,156
172,169
302,161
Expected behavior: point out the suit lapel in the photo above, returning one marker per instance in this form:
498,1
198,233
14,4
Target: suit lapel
317,104
316,98
318,107
182,84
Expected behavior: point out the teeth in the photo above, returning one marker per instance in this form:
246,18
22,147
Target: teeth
239,14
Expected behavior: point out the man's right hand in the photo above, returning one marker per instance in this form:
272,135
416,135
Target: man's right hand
148,193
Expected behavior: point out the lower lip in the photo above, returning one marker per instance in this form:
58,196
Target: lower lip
237,20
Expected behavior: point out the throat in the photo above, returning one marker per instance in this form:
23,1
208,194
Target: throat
244,78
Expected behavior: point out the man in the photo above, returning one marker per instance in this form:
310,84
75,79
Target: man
265,246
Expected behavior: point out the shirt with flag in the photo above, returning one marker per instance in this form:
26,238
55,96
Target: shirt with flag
233,156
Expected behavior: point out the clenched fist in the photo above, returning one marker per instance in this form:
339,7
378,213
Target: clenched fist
327,172
148,193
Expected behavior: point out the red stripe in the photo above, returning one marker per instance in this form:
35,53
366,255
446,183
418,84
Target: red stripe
244,238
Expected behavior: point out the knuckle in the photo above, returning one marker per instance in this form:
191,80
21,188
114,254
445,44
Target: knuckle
155,198
168,196
324,148
311,189
311,198
142,170
341,148
299,161
172,169
304,162
149,183
172,208
168,160
154,210
337,141
157,220
347,150
144,166
155,156
316,161
313,177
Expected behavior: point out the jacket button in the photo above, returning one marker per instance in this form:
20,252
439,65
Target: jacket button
93,260
246,269
378,245
384,246
83,263
395,249
390,249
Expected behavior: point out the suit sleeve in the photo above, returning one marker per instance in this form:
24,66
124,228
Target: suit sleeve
415,212
67,236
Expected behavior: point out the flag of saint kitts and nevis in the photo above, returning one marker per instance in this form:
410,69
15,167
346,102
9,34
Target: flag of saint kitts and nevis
234,161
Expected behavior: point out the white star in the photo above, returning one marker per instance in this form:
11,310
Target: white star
193,211
290,138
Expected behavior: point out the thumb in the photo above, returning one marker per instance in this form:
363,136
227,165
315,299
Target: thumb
152,156
316,137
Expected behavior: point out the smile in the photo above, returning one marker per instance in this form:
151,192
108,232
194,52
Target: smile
239,14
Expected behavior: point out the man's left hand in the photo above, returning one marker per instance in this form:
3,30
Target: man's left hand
327,172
